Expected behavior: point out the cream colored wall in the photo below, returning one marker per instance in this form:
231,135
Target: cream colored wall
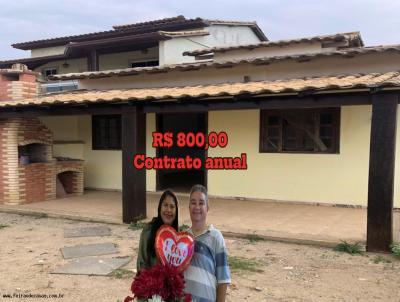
103,169
276,70
301,48
326,178
48,51
123,59
75,65
150,151
64,128
220,35
397,164
65,135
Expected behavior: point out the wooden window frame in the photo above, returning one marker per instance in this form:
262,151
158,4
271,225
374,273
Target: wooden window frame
264,114
97,144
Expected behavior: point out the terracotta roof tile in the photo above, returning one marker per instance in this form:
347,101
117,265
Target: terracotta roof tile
349,52
350,36
175,23
337,82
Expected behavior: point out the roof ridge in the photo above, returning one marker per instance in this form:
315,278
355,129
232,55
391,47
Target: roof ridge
179,17
270,43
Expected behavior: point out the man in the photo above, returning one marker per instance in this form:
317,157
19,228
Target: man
208,275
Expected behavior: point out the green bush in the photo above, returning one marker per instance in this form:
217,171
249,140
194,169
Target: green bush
350,248
137,225
395,248
254,238
244,264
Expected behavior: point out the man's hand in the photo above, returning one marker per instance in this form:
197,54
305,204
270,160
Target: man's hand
221,292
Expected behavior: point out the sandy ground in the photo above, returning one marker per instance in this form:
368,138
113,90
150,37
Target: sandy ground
30,251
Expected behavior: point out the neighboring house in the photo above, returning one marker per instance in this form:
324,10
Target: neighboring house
316,118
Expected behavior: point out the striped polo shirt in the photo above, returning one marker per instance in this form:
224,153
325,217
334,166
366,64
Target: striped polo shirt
209,266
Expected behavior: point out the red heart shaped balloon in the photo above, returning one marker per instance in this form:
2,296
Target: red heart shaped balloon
173,248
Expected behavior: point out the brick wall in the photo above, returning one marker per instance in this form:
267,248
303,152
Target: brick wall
17,84
24,183
70,174
20,182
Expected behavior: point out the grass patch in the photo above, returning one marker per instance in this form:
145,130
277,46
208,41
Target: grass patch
184,227
2,226
395,248
380,259
137,225
254,238
244,264
121,273
350,248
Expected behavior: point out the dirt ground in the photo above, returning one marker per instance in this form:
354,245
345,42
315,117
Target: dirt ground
30,251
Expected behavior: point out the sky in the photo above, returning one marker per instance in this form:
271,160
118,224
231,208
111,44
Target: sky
27,20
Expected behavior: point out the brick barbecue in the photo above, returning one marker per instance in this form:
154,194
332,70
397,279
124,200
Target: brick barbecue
28,171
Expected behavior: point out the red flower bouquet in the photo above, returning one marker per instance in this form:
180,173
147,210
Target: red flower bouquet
164,282
159,283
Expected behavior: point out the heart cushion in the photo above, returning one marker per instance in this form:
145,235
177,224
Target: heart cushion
173,248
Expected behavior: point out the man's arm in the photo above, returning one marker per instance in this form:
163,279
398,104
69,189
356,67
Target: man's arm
221,292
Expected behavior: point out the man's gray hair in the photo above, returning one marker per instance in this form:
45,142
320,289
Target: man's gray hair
201,189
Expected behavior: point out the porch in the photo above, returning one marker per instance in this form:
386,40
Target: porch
302,223
133,105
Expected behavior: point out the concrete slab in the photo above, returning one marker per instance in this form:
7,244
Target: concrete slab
87,232
273,219
85,250
92,266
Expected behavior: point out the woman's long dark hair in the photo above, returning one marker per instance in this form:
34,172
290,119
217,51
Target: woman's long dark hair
157,222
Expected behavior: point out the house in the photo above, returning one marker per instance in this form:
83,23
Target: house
315,117
152,43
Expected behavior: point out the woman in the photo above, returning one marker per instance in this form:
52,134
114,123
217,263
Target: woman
167,214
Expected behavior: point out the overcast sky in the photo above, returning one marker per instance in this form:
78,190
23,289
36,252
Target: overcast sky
27,20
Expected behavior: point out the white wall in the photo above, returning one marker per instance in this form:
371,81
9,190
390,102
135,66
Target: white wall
264,52
48,51
220,35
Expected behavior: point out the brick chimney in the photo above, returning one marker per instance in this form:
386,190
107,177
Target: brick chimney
18,83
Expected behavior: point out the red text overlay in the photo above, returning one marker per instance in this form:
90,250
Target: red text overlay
193,140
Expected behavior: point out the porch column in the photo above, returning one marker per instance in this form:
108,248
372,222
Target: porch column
93,60
133,180
381,172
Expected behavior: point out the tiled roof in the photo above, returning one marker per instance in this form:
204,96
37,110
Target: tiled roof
344,82
348,52
176,23
179,18
353,37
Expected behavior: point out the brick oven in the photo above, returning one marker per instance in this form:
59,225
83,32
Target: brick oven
28,171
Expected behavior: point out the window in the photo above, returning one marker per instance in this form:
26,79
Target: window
46,72
106,132
144,63
300,130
